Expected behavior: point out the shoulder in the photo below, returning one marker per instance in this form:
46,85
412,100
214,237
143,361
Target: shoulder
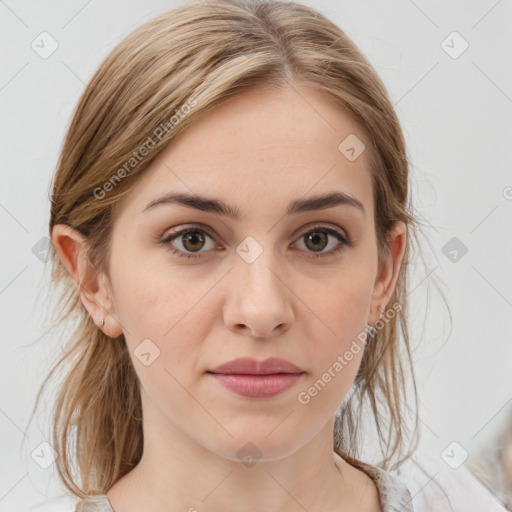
61,503
436,486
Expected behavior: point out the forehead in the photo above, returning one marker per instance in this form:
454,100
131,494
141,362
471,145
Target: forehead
264,147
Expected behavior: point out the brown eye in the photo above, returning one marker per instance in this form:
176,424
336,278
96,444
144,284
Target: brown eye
188,241
319,238
193,240
316,240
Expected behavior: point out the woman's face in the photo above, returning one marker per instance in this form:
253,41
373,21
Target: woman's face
273,281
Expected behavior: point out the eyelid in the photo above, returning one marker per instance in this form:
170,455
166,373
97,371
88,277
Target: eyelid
169,236
304,229
185,227
319,225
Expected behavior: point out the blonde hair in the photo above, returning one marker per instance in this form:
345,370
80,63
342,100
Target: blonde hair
201,54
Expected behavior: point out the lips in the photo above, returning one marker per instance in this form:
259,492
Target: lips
250,378
250,366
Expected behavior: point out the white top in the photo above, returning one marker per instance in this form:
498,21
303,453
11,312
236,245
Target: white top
418,487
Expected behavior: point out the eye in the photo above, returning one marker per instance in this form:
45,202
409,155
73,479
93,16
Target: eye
317,239
192,240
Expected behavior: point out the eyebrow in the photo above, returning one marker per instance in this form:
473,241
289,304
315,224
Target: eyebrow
208,204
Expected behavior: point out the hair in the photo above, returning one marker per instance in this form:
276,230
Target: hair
201,54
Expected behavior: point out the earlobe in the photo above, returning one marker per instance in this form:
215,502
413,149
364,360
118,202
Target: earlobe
71,247
109,322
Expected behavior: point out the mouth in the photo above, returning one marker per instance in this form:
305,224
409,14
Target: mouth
250,366
257,385
250,378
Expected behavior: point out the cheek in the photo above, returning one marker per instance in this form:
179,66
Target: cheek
152,296
342,303
338,325
160,304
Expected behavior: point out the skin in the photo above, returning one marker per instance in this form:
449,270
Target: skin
258,152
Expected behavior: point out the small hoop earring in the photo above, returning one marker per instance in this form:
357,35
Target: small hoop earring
102,322
371,329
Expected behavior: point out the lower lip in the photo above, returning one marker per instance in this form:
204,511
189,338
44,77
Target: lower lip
257,386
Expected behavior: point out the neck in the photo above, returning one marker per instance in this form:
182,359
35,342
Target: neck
313,478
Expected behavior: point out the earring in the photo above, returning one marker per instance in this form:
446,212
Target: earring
371,328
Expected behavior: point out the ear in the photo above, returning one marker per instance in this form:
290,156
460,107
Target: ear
388,273
94,288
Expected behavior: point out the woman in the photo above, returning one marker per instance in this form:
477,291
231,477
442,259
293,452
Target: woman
231,230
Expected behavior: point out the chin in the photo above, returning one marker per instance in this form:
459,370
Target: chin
256,446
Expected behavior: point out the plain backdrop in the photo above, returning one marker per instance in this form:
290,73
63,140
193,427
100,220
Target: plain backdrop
455,106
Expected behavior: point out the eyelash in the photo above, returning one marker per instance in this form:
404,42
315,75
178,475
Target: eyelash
192,229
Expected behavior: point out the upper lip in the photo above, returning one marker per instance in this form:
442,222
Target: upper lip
250,366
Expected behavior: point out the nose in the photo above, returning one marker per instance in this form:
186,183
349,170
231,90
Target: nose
258,299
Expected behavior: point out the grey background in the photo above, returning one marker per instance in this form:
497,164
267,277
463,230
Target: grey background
456,114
